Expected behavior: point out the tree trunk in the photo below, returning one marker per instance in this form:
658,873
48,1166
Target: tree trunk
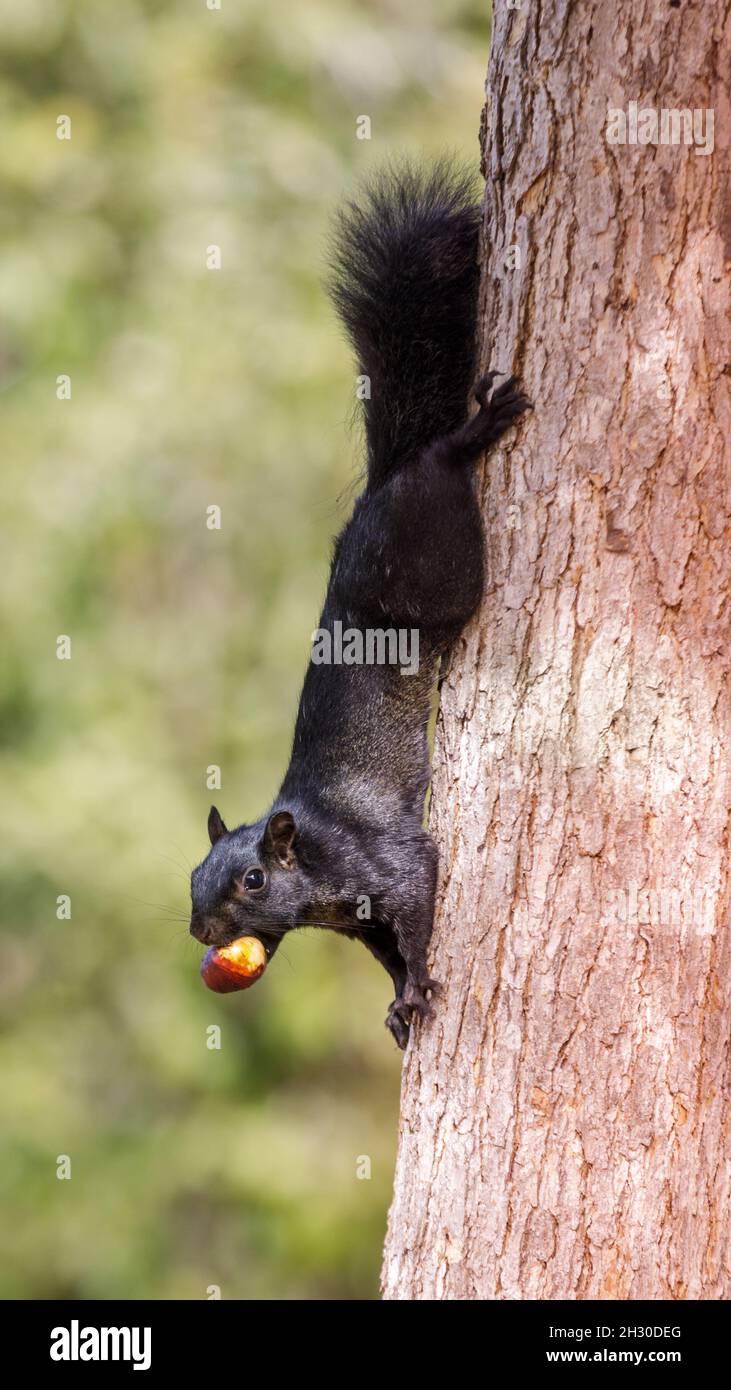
565,1117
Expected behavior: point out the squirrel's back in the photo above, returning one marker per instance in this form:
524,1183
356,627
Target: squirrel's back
404,282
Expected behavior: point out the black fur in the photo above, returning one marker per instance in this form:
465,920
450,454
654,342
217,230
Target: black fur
345,835
404,281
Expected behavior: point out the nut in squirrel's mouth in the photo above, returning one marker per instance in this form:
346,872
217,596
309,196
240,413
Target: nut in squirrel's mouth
234,967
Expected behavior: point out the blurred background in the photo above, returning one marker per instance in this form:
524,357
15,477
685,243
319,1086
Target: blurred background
190,1166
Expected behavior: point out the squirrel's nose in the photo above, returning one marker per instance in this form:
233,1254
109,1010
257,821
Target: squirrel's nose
201,928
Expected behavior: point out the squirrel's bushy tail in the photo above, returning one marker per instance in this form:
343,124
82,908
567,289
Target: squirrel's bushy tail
404,281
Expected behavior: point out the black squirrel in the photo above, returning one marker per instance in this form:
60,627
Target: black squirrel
344,843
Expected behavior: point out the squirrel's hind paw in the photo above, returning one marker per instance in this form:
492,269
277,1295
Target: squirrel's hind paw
497,412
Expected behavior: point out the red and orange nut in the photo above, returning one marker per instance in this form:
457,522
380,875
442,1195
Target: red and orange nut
228,968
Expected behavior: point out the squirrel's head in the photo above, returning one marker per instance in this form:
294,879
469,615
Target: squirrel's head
252,882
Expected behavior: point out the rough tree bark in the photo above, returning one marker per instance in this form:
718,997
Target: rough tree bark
565,1118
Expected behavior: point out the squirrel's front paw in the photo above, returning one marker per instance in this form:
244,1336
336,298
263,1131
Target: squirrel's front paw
412,1001
398,1020
415,996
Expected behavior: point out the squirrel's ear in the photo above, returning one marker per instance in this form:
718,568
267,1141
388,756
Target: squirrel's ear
216,827
279,838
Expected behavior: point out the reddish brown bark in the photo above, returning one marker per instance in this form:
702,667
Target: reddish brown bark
565,1118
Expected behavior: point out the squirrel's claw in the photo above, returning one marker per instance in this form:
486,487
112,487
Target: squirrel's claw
397,1021
482,387
412,1001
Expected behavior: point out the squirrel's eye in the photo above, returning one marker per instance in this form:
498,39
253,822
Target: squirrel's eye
254,879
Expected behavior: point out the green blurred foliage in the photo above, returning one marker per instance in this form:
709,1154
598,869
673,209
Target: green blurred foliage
190,387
